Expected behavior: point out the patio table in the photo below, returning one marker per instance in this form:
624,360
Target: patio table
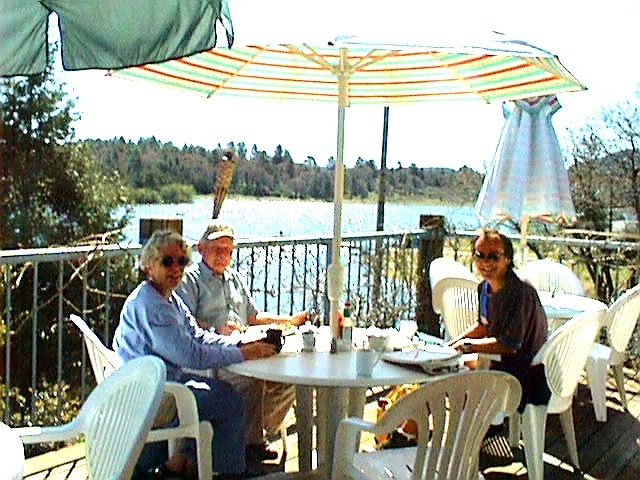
563,306
339,393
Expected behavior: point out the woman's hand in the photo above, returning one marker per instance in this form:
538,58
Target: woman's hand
255,350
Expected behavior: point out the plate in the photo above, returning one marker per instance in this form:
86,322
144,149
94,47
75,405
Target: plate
431,358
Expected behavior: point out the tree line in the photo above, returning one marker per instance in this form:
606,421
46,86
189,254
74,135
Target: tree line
150,164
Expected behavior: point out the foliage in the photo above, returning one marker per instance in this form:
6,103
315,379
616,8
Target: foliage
172,193
52,192
607,148
52,189
150,164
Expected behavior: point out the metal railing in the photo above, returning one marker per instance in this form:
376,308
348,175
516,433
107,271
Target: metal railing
39,288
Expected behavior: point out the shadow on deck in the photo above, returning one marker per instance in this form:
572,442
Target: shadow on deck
607,450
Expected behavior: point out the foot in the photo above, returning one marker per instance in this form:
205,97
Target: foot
256,453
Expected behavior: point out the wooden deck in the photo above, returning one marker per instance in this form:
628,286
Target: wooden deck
607,450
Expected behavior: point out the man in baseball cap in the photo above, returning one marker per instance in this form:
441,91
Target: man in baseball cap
220,300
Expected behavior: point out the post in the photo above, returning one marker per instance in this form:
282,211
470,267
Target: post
150,225
430,248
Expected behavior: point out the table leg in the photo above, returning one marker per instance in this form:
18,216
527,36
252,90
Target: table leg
333,406
304,426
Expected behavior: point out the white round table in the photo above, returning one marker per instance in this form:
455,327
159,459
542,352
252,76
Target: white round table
11,454
339,393
563,306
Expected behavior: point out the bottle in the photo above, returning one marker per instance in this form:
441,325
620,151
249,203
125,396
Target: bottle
347,323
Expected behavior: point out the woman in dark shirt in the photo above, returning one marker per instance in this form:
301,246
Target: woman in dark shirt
511,322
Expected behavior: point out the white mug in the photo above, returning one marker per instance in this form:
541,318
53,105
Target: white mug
366,360
308,341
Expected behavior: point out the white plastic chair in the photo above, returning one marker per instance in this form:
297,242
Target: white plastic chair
104,361
11,453
564,356
620,322
452,413
549,276
114,420
458,302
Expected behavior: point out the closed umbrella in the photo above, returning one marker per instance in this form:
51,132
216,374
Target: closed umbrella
527,179
107,34
356,70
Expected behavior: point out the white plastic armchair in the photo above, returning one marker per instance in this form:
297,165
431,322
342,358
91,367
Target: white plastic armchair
104,361
442,268
452,413
458,300
114,420
564,356
549,276
620,322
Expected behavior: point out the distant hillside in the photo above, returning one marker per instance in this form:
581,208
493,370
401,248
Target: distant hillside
152,164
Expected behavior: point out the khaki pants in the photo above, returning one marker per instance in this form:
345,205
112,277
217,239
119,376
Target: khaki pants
266,404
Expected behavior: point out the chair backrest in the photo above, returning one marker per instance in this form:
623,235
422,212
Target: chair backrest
549,276
452,414
565,353
118,414
621,319
458,298
103,360
441,268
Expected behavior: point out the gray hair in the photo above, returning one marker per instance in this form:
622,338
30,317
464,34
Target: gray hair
160,238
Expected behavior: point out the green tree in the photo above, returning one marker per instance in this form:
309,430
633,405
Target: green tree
53,191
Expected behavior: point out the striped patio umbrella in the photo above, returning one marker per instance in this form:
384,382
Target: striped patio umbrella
357,70
527,179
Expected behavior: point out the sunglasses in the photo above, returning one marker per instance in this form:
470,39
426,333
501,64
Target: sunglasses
167,261
492,257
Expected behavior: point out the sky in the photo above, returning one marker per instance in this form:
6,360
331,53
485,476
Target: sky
597,44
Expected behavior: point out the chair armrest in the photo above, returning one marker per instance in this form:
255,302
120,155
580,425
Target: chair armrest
186,407
346,445
57,433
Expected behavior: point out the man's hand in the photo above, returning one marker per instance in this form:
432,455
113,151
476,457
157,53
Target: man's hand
255,350
300,318
230,327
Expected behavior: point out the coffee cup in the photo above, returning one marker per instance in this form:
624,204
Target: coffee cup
366,360
308,341
274,337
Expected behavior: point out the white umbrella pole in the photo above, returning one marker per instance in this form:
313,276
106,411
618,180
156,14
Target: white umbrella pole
335,271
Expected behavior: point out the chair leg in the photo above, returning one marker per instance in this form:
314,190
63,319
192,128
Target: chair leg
534,421
618,374
514,430
566,421
203,451
597,378
283,435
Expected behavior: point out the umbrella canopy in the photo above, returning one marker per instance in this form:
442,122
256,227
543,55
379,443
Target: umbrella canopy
107,34
527,179
353,70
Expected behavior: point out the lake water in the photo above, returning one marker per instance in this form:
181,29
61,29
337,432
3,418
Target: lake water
268,217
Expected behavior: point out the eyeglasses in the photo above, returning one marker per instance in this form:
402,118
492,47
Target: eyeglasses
168,261
222,250
492,257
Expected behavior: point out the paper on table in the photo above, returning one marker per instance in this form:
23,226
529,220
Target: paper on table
431,358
